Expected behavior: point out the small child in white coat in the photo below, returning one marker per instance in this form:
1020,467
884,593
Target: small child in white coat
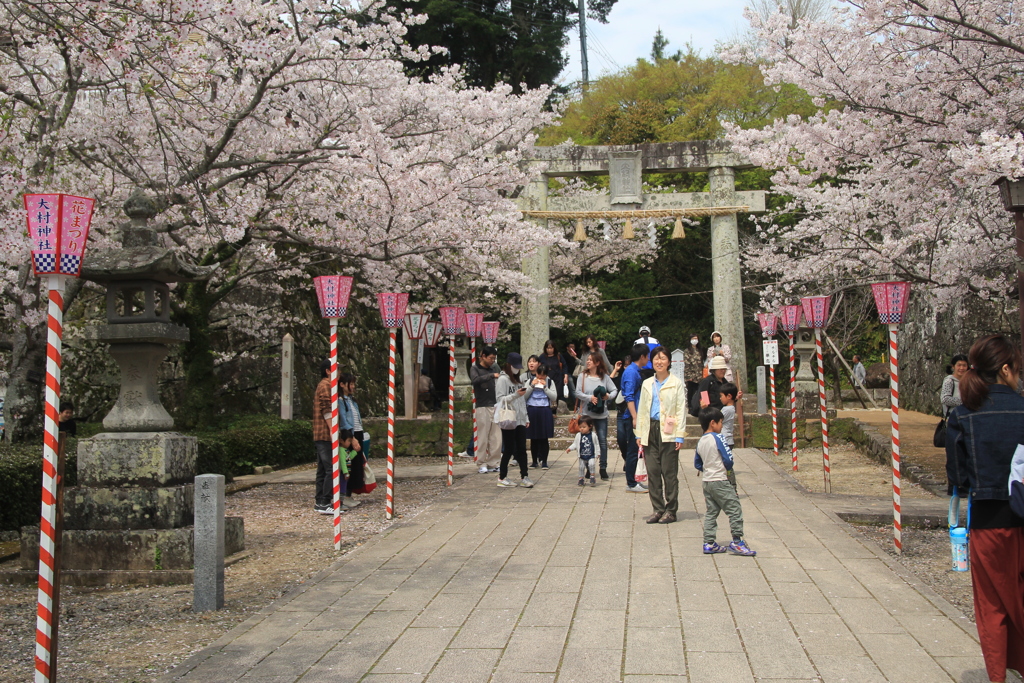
587,446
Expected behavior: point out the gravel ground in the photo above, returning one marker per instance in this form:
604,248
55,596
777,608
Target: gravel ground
853,473
122,635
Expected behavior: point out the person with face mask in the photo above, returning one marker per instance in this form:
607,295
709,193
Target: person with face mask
693,366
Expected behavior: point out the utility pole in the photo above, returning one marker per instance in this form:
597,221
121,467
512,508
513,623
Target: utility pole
583,43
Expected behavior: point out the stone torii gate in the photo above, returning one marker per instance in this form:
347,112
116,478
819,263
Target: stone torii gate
626,164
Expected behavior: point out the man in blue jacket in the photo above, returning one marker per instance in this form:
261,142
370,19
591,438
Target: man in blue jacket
631,381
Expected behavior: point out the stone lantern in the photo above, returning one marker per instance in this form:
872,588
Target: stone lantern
133,506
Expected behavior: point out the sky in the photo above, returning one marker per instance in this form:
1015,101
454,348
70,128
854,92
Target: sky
632,23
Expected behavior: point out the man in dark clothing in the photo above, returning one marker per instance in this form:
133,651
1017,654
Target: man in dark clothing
67,419
631,382
711,384
322,442
482,374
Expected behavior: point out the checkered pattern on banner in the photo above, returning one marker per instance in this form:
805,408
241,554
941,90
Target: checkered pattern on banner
45,264
70,264
789,317
392,308
334,311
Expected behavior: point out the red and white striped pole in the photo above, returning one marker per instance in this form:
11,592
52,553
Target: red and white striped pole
775,416
336,465
451,408
389,498
894,399
823,404
472,353
792,396
49,582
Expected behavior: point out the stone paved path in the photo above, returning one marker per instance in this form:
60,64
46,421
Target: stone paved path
561,583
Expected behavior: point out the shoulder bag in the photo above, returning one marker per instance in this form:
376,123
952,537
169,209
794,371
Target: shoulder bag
939,437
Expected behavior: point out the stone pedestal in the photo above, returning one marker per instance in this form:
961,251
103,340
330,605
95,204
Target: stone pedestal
133,508
463,385
806,378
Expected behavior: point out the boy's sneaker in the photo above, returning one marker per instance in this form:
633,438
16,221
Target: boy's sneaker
320,508
526,483
465,454
636,488
593,480
544,466
350,502
506,483
712,548
580,482
483,469
740,548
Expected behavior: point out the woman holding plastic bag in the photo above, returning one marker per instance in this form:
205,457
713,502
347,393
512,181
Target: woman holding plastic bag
982,435
660,431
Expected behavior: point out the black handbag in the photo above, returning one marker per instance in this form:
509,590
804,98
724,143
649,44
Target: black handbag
939,438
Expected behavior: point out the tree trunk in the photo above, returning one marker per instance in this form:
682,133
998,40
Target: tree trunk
199,405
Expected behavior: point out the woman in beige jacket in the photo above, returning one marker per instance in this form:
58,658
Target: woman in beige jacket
660,430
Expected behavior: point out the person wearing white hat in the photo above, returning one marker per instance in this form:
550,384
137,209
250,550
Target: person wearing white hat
710,384
718,349
652,343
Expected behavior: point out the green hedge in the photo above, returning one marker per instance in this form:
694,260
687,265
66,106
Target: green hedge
255,440
21,480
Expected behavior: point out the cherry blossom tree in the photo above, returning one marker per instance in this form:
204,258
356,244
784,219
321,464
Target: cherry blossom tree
920,110
270,135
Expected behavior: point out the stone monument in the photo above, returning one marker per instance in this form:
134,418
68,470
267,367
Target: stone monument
133,506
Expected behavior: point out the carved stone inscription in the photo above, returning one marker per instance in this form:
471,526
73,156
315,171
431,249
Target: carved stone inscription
625,170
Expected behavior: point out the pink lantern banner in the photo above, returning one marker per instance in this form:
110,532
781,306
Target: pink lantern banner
490,332
453,319
789,317
333,292
891,299
474,324
392,307
769,323
416,325
816,310
432,334
58,226
603,345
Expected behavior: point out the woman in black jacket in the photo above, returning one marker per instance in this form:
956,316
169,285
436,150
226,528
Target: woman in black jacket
558,370
981,437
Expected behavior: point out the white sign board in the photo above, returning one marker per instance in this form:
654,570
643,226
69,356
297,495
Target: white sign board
677,364
770,349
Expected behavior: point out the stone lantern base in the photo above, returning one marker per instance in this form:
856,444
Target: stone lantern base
133,507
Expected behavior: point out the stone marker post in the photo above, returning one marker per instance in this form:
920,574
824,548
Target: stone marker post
208,574
287,375
762,392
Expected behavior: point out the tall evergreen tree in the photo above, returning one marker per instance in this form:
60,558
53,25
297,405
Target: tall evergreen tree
519,42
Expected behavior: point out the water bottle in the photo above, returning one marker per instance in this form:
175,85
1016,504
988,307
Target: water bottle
957,536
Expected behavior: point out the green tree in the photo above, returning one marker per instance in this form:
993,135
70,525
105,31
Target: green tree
683,97
519,42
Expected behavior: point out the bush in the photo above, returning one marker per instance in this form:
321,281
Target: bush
21,480
255,440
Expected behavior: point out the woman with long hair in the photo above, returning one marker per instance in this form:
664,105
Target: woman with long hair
595,390
558,370
539,397
982,435
510,393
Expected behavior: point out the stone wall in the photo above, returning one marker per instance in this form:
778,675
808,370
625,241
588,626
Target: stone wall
420,437
929,340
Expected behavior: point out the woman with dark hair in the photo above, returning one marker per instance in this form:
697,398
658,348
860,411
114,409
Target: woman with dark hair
660,432
558,371
981,437
595,390
950,393
510,394
540,394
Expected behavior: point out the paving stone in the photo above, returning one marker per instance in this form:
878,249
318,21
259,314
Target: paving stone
801,598
580,665
710,631
825,634
535,649
654,609
549,609
719,667
417,650
597,629
464,666
654,651
900,659
447,609
487,628
847,669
